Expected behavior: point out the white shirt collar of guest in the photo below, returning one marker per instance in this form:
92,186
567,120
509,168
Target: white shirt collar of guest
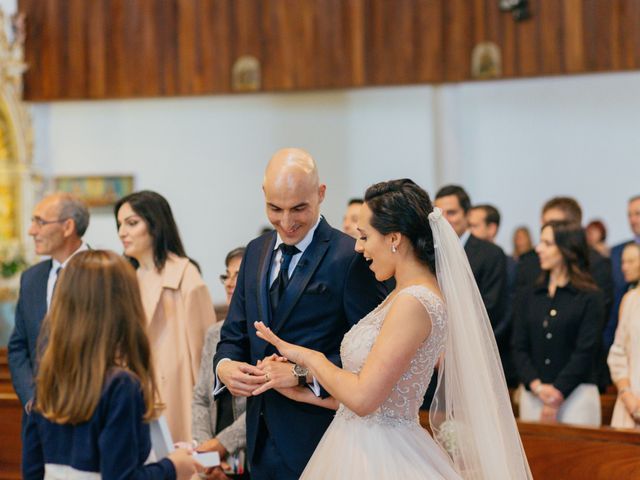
53,273
55,264
465,238
305,242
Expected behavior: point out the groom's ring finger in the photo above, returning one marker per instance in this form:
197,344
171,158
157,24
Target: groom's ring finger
267,377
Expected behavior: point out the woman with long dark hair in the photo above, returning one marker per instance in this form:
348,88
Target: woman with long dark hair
95,389
557,327
175,298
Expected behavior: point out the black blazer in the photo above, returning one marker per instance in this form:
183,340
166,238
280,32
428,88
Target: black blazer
330,290
557,339
30,310
489,266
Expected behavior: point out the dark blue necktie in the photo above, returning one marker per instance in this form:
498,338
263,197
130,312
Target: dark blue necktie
282,280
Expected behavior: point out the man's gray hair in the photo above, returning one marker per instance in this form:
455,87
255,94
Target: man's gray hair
75,209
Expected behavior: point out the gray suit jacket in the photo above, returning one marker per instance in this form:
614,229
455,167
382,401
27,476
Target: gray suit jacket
204,411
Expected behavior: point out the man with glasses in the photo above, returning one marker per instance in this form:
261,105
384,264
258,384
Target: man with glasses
58,223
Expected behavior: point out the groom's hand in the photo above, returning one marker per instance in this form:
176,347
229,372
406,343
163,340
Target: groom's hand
280,374
241,378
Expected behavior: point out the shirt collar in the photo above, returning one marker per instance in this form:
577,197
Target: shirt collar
55,264
305,242
465,237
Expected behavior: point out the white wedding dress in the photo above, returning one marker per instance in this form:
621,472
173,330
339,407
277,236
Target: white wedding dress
389,443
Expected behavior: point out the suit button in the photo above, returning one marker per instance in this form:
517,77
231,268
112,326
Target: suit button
547,361
553,312
549,336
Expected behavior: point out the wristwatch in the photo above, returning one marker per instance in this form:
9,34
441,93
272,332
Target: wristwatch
300,373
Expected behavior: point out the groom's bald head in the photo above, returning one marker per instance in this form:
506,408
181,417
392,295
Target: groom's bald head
293,193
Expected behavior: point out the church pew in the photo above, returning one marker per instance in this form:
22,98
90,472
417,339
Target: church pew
10,447
564,452
5,375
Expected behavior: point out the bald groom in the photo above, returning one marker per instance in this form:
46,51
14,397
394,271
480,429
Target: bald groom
306,282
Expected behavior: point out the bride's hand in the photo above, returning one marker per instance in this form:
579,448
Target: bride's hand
288,350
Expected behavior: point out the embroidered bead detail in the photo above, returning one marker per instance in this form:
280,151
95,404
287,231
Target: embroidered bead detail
403,404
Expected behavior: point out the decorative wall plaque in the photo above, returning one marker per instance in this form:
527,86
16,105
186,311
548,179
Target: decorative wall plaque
486,61
246,74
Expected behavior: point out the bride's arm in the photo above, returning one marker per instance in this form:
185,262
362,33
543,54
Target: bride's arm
405,328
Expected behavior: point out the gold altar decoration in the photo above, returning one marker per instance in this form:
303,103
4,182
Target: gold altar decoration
17,178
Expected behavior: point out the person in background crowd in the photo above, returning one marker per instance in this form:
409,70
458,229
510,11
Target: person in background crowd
620,287
175,299
557,325
219,425
565,209
350,219
528,271
624,356
58,223
522,242
488,264
484,222
596,237
95,389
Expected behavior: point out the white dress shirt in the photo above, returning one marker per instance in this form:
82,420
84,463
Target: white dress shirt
53,273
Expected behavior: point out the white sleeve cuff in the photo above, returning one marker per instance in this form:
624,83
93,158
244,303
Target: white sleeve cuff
314,387
219,386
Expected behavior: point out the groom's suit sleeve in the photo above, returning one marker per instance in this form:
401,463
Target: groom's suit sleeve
234,339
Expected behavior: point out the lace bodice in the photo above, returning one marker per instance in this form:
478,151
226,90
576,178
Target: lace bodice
407,395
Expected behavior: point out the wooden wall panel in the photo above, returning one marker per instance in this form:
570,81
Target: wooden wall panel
135,48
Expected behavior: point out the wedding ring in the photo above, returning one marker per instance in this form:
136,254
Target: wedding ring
267,376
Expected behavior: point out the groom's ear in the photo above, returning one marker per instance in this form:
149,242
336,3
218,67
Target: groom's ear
322,189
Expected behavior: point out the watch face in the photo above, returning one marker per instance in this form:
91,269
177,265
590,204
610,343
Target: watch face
300,371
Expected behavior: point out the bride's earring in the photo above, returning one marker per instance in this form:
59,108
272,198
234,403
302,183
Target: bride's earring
394,249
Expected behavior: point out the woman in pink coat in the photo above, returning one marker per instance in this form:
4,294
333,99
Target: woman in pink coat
175,298
624,356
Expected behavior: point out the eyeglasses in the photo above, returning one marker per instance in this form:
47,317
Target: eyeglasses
41,222
225,277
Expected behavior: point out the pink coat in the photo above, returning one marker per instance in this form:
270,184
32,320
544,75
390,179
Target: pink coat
183,312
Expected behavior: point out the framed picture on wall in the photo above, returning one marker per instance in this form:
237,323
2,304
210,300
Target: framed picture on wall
96,190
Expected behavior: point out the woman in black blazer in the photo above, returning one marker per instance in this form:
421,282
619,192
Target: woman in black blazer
557,327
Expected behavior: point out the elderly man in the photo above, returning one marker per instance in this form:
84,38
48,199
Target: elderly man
58,223
306,282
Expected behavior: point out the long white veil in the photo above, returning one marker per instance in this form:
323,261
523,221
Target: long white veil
471,415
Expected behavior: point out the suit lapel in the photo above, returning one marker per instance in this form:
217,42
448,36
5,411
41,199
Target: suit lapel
263,279
41,290
307,265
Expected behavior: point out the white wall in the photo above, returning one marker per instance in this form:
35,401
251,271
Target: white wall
512,143
525,141
207,154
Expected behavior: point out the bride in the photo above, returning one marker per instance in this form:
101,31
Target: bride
434,314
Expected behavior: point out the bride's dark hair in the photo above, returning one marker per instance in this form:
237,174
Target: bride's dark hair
402,206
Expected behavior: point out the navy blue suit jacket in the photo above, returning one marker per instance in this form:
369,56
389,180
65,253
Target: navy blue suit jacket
330,290
31,309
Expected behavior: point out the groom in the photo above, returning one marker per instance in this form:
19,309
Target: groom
305,282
